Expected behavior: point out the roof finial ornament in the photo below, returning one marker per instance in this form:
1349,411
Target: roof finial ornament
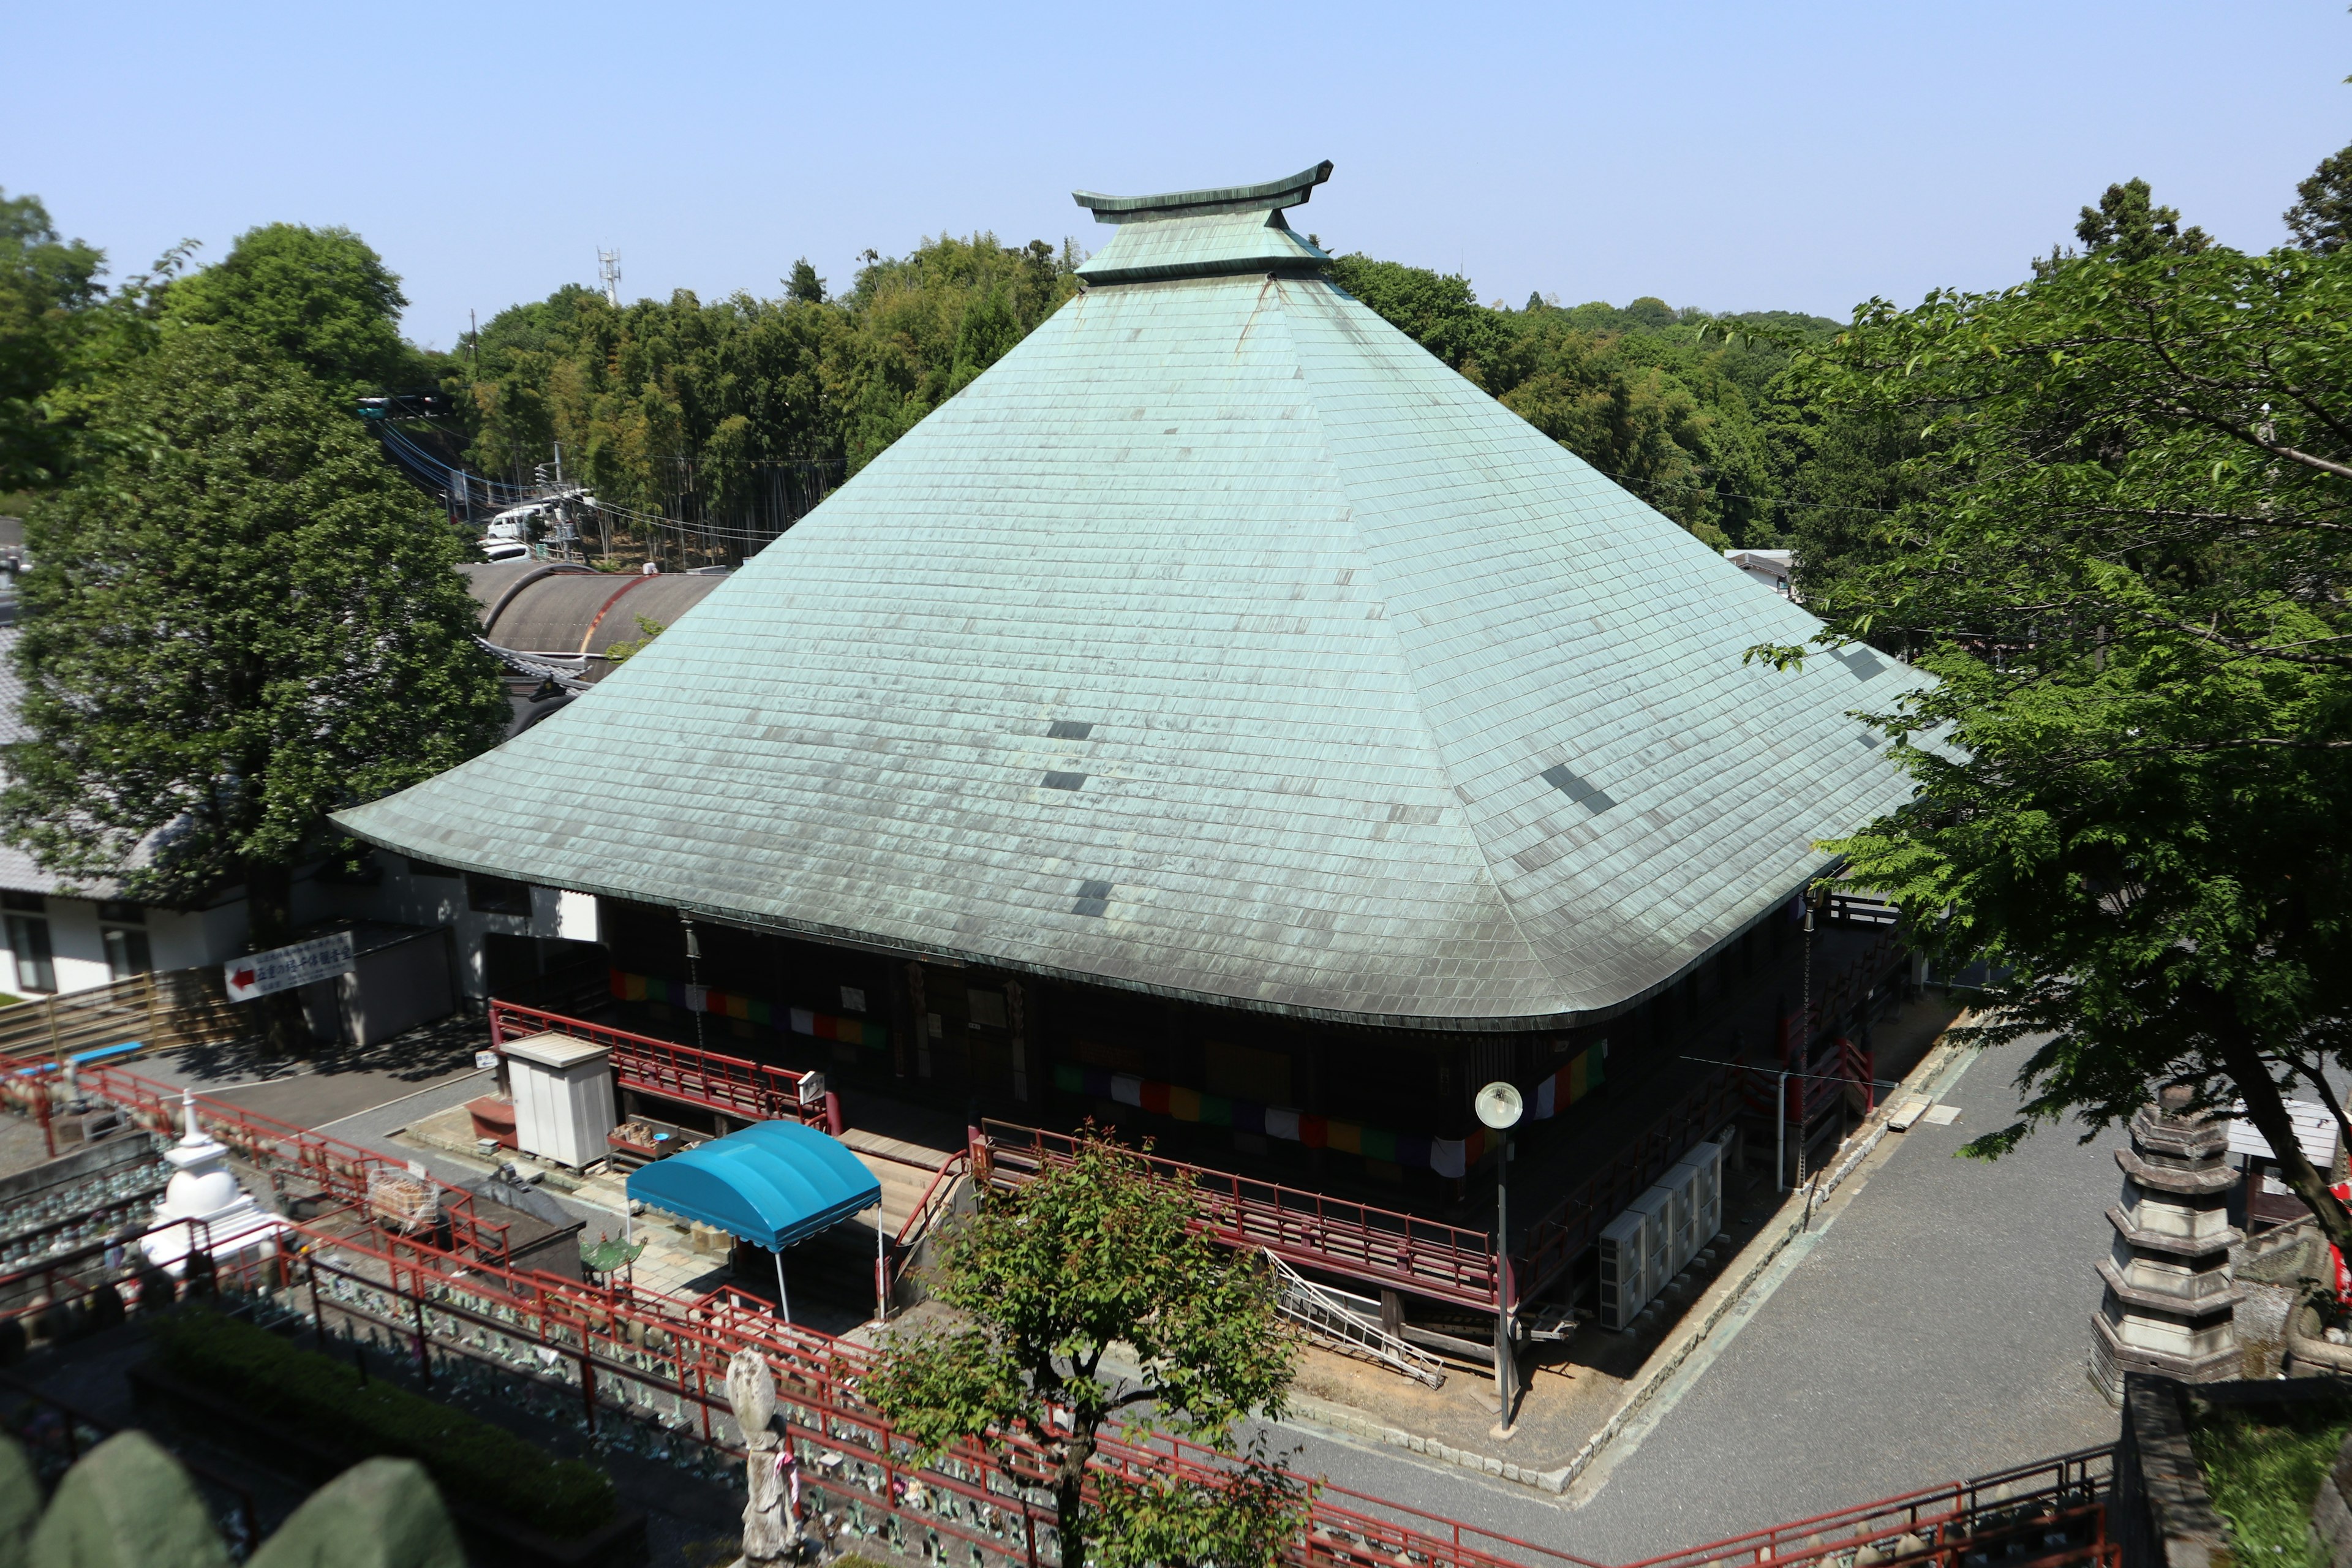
1224,231
1271,197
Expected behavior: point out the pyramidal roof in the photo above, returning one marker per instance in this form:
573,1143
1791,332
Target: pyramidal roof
1218,642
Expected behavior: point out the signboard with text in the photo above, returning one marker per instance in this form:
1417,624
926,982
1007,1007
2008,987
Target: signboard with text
284,968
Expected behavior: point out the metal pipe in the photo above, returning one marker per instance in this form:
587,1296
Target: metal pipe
1506,1368
1781,1143
783,1303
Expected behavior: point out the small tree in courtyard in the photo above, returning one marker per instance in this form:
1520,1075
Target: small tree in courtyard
1093,1265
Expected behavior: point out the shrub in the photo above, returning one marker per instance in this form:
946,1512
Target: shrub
323,1399
2263,1467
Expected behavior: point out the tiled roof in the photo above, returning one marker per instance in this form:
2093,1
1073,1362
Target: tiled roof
1217,642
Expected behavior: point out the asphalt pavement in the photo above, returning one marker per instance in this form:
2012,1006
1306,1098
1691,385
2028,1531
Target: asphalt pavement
1936,1328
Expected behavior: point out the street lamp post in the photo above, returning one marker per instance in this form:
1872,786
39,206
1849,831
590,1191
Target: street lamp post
1499,1108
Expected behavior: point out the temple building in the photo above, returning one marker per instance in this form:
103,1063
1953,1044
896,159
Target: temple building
1219,712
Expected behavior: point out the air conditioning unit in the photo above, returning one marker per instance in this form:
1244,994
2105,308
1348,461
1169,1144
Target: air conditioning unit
1705,1165
1657,1205
1624,1269
1682,1231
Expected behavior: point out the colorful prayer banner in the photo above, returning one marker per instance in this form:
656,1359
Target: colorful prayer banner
849,1031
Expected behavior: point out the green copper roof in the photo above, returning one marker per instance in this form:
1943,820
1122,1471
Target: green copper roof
1203,233
1218,642
1214,245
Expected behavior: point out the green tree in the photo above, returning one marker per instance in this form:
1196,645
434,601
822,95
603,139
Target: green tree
49,289
1090,1266
2321,217
319,296
648,628
2128,227
805,287
2124,554
240,619
1632,421
1440,312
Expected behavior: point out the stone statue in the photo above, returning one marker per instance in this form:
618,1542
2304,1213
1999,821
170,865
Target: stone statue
771,1533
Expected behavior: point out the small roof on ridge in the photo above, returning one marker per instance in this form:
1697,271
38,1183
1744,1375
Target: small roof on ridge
1268,196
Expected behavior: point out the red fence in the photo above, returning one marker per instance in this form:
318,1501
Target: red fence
294,1155
625,1353
752,1090
647,1372
1358,1241
2049,1512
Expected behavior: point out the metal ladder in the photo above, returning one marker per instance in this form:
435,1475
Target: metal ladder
1332,1317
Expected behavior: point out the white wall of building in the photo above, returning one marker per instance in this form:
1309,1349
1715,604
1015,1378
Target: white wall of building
178,940
77,955
405,897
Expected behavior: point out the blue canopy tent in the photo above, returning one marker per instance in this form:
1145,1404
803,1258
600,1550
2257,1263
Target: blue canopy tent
774,1184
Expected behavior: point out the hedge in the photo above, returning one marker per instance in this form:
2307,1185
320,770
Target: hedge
323,1399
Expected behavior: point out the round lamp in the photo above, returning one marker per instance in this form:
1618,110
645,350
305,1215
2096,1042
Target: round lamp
1500,1107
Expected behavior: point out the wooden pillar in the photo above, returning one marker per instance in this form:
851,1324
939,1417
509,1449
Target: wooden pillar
918,1026
1015,1023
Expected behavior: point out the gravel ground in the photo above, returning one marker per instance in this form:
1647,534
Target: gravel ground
1938,1329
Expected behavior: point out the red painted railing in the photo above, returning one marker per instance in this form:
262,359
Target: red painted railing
2046,1515
2014,1513
1357,1241
923,1218
334,1167
752,1090
2049,1515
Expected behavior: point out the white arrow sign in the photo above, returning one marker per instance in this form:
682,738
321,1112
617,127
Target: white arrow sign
283,968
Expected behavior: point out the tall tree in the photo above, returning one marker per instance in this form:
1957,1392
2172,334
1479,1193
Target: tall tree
1091,1261
2124,552
2321,218
2128,226
320,297
48,287
240,618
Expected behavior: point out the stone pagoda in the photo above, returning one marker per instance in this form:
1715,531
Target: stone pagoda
205,1208
2170,1303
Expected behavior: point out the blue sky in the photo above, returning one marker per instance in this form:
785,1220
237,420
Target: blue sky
1731,156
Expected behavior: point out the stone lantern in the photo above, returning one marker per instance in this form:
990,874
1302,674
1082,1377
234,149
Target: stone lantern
2170,1303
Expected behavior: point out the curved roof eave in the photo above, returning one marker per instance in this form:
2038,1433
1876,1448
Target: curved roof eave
866,941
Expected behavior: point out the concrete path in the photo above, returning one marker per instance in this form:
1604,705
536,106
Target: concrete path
1936,1328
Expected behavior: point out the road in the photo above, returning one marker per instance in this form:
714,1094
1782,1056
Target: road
1936,1328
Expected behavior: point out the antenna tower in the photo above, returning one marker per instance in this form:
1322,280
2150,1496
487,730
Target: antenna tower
608,272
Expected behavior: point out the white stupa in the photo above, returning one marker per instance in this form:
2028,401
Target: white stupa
204,1189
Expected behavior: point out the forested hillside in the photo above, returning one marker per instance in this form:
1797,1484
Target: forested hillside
733,409
677,406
